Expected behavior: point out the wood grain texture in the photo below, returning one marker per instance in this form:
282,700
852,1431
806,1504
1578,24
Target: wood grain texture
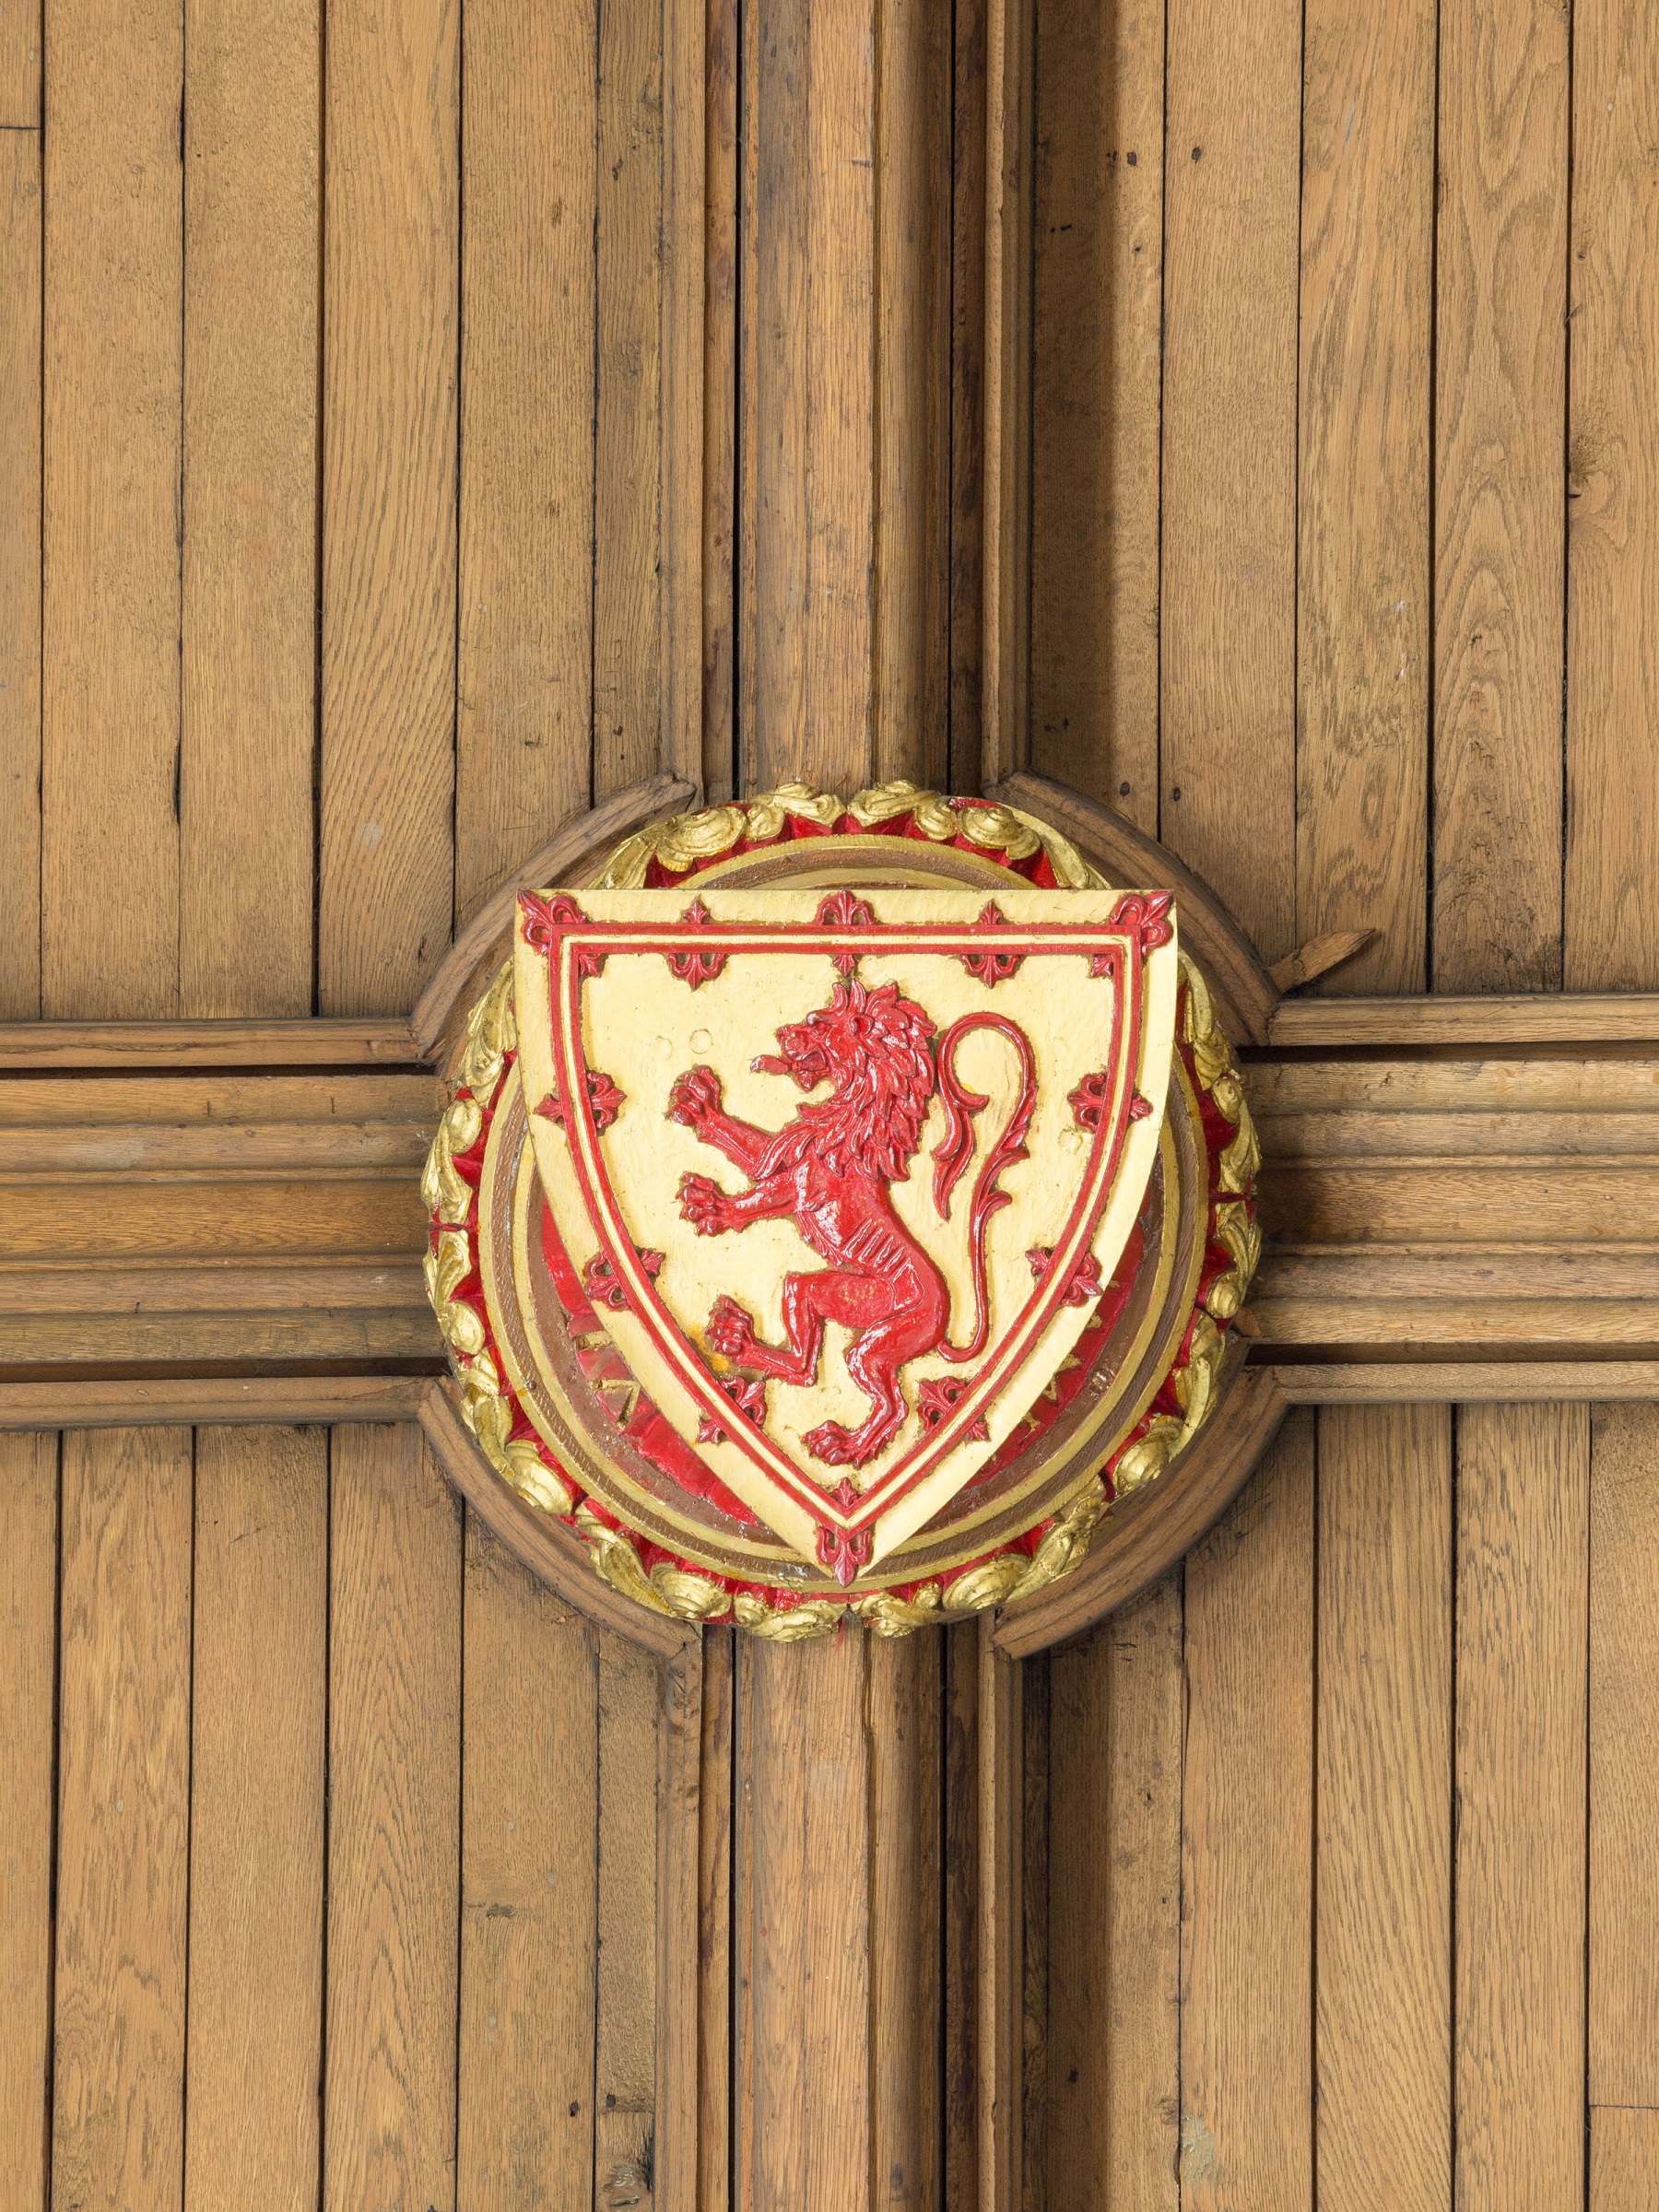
684,196
1003,454
20,223
257,1775
264,1398
805,2107
253,183
1365,408
142,1044
1384,1966
1112,2129
968,274
904,1721
1470,1025
394,1841
625,2031
999,1977
722,252
528,1836
1228,803
1611,921
28,1585
959,1911
524,677
390,357
714,1990
1499,551
1246,2101
1467,1382
21,65
123,1820
1097,399
1522,1542
679,2167
111,369
1624,2159
628,401
1624,1757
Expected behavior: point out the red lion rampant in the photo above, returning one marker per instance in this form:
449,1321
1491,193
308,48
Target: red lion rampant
830,1171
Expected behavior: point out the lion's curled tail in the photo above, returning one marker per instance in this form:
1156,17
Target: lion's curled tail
956,1149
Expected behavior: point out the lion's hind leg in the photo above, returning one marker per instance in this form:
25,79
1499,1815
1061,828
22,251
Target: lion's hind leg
810,1300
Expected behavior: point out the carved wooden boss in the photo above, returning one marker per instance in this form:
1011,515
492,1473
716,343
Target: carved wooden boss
844,1204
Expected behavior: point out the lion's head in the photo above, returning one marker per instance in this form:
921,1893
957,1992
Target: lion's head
876,1048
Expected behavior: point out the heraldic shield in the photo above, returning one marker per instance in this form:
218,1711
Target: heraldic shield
821,1240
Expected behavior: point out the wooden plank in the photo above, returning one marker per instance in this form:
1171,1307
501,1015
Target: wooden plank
1097,378
905,1731
264,1398
685,198
257,1776
1624,2159
1624,1757
715,2009
98,1344
252,1215
910,458
1383,1969
21,65
179,1287
152,1149
92,1101
1031,2001
722,246
529,1814
960,1908
123,1820
1502,1092
628,426
1227,802
1363,519
625,2034
1523,1540
1146,1534
253,186
968,332
1495,1381
999,1978
145,1044
743,1932
679,2164
1113,2124
1470,1025
112,358
390,354
1501,355
1004,452
393,1846
1611,930
1246,2104
20,532
28,1587
1443,1200
807,2105
525,675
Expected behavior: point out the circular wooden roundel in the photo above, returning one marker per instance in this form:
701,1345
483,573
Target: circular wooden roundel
842,1205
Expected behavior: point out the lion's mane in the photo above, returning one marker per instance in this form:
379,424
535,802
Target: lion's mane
881,1045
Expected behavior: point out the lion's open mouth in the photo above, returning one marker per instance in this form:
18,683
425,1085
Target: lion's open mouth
808,1071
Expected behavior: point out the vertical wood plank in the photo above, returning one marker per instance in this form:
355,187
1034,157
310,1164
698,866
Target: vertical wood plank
1227,802
21,65
252,189
110,531
393,1843
258,1756
1097,375
1624,1757
1246,2113
19,563
1500,419
998,1913
679,2165
1624,2159
1366,401
904,1728
627,511
959,1905
807,2134
523,723
389,512
1005,455
123,1820
1522,1482
1114,1934
29,1585
714,1990
1385,1833
625,2037
1033,2052
909,589
721,247
744,1745
1611,925
685,191
967,386
529,1830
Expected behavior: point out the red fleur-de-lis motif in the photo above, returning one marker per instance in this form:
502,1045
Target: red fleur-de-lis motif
747,1393
604,1096
1146,916
844,1550
1089,1102
992,968
695,966
1085,1282
840,909
546,920
599,1280
937,1398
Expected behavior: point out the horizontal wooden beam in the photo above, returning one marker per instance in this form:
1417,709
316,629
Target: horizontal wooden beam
69,1045
1544,1019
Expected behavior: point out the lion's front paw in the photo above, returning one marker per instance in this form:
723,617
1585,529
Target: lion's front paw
706,1206
694,1098
832,1443
730,1329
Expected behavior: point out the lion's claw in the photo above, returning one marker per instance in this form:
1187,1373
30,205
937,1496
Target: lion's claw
693,1098
832,1443
731,1328
705,1206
